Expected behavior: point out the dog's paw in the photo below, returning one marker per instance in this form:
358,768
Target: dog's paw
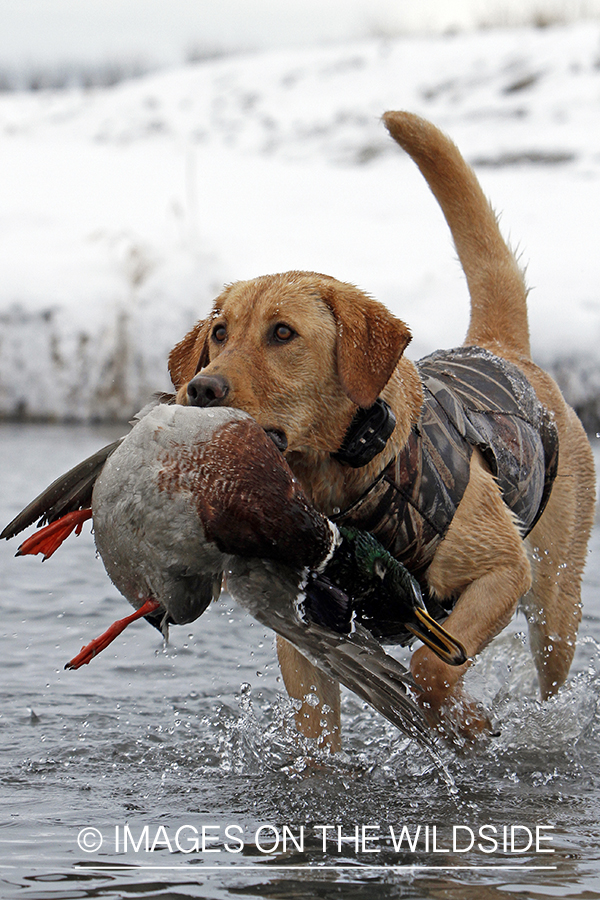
461,720
449,710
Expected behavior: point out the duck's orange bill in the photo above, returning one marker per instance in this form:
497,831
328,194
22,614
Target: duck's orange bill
101,643
49,538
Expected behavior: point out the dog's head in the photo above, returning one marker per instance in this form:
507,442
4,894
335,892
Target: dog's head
297,351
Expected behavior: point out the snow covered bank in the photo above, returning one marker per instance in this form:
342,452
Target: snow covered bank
123,210
63,43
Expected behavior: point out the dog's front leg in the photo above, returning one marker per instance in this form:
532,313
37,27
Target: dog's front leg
319,715
484,560
443,697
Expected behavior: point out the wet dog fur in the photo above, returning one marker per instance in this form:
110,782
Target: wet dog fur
301,351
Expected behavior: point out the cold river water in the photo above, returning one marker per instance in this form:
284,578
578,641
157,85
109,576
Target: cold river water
176,771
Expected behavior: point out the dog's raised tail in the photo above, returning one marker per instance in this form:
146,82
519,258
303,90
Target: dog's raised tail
496,283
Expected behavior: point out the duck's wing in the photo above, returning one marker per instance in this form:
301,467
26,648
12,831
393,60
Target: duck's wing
361,664
68,493
272,593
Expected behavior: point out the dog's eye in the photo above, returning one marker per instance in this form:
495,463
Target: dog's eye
219,333
283,333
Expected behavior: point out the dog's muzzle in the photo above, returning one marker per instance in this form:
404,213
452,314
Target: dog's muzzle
207,390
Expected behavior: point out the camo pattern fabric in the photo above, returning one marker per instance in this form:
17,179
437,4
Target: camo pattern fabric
471,399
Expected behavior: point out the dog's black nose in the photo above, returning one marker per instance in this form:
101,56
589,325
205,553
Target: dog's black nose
207,390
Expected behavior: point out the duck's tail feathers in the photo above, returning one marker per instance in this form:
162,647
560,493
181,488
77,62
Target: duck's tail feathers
71,492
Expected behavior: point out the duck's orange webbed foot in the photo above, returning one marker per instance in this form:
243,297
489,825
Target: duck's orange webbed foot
99,644
49,538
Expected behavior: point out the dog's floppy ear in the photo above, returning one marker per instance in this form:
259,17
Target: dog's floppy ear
370,342
190,354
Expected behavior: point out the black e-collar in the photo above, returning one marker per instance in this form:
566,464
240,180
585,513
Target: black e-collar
367,435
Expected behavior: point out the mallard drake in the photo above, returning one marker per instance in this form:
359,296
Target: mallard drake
190,494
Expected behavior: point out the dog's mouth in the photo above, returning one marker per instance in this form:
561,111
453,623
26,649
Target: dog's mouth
278,437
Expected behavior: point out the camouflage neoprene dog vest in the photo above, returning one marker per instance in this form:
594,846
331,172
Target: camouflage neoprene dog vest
471,399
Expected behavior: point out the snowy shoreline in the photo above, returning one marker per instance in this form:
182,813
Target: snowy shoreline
125,209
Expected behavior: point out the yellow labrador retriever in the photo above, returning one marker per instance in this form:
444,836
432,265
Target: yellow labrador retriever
305,355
